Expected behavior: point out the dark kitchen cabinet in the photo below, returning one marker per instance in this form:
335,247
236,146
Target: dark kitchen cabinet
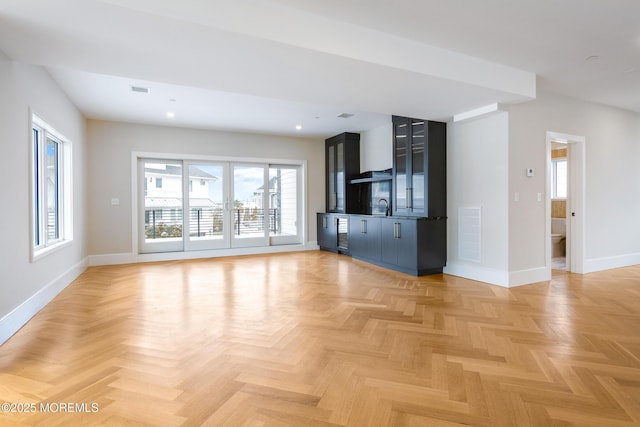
419,167
333,232
415,246
342,156
364,237
411,245
400,242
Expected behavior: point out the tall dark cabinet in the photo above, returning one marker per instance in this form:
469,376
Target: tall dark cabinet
342,154
419,168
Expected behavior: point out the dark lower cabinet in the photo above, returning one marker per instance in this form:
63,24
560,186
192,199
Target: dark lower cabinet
416,246
333,232
364,237
400,243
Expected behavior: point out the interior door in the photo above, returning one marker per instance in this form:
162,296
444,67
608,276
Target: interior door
249,208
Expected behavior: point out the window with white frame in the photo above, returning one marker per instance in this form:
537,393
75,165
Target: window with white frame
559,179
51,193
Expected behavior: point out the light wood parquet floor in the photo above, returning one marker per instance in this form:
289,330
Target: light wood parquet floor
317,339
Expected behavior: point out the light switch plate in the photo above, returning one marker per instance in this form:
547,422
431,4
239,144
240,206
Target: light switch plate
115,201
529,171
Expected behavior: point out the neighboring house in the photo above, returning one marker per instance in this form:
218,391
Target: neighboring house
163,188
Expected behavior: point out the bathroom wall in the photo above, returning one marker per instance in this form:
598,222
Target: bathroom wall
558,209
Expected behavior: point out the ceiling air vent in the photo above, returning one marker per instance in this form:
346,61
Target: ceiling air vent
345,115
140,89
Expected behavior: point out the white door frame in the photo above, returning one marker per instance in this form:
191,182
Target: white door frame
576,204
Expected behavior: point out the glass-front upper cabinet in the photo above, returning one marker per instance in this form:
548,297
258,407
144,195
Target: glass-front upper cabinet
401,139
342,165
418,165
419,178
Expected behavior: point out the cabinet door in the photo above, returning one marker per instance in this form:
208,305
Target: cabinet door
327,232
399,242
340,178
374,243
388,238
417,193
401,176
331,177
406,243
364,237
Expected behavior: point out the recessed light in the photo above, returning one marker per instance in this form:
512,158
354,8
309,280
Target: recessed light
172,100
592,58
171,114
630,70
298,127
345,115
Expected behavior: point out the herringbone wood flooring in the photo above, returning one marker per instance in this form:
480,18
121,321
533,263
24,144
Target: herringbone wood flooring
318,339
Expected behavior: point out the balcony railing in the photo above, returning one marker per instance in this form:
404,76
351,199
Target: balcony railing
206,222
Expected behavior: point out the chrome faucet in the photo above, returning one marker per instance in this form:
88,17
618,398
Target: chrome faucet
386,206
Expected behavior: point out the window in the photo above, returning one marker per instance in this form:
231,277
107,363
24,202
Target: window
51,194
158,182
559,179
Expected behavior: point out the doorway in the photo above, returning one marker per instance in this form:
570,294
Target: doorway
565,185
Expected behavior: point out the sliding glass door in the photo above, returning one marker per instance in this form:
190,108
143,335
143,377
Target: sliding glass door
207,206
196,205
284,204
250,206
162,206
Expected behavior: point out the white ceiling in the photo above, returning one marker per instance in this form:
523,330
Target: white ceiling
269,65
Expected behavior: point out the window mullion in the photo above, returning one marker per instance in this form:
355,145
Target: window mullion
59,190
42,184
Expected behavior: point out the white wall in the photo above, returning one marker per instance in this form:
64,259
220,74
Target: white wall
477,176
22,282
376,148
612,150
111,145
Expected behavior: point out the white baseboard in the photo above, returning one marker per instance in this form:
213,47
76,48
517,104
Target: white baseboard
607,263
112,259
527,277
505,279
481,274
18,317
130,258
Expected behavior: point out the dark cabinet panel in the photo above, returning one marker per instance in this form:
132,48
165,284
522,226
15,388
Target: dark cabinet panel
415,245
342,165
419,166
364,237
399,241
327,233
